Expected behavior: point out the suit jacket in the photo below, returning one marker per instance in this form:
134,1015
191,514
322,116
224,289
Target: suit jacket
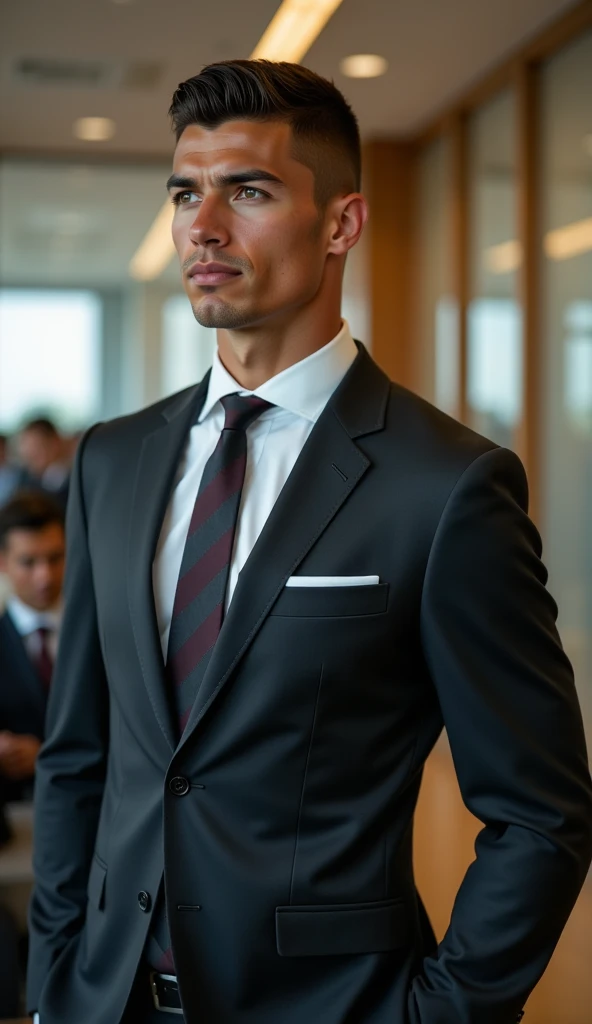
282,820
23,699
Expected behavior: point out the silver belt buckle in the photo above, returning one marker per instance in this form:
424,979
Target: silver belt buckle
153,986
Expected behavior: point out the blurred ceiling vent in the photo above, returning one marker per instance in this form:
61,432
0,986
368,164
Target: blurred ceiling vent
83,245
85,74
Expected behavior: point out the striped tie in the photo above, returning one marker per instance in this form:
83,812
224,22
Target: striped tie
43,659
199,600
198,609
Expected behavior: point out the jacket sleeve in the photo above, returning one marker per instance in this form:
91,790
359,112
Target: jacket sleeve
510,708
71,766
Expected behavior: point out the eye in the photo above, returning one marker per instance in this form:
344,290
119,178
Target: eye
182,198
249,192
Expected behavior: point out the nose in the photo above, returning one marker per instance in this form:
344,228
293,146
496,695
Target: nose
43,573
209,227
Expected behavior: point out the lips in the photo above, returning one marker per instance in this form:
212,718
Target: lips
212,273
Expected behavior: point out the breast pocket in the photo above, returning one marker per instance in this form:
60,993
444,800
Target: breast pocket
332,601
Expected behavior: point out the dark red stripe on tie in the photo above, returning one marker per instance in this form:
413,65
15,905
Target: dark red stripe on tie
200,642
228,481
203,572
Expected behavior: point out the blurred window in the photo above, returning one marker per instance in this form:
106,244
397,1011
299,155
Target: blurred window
494,333
49,356
187,347
566,347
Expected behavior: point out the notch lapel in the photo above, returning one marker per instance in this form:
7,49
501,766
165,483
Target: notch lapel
328,469
157,467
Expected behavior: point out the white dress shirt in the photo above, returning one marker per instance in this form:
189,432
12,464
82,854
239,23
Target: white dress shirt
27,621
274,442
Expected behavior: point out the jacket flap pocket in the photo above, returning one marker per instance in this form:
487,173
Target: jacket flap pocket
96,883
340,929
338,601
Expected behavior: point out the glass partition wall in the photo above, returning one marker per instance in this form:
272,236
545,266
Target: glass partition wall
436,351
504,312
565,245
494,330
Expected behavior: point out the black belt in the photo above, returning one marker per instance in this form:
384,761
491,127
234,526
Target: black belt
165,993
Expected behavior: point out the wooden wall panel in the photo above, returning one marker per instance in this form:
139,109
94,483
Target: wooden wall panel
390,177
528,440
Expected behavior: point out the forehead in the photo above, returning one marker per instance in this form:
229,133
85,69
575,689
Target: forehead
33,542
237,144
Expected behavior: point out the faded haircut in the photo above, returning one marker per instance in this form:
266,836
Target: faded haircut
324,127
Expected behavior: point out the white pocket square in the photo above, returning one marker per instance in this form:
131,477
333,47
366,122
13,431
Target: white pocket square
332,581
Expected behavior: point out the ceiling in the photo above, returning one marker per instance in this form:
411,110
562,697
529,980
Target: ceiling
435,49
68,219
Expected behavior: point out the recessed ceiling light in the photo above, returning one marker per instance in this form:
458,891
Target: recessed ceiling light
94,129
363,65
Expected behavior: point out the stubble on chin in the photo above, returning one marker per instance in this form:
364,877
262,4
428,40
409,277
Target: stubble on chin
220,315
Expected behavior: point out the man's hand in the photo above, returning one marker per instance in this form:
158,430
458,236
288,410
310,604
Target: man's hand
18,755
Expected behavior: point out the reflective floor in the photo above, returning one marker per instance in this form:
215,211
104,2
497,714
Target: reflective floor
444,837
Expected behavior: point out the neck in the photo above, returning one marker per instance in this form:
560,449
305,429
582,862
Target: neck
256,353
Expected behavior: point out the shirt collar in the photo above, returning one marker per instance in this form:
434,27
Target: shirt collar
303,389
27,619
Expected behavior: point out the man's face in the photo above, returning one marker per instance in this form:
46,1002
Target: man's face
251,241
33,560
37,450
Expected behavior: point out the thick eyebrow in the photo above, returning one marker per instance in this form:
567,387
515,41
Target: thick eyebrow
224,180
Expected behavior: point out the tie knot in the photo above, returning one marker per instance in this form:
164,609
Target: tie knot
240,410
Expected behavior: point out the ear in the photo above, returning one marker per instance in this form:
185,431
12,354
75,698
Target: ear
346,222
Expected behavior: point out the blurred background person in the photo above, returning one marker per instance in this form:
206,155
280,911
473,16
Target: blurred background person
9,474
32,548
44,458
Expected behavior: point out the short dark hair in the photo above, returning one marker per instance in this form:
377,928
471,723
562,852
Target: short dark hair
29,510
42,425
325,128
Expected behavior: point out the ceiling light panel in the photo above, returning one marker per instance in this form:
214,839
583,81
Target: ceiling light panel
94,129
363,65
572,240
293,29
157,249
503,258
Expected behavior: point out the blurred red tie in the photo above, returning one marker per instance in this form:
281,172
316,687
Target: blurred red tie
44,660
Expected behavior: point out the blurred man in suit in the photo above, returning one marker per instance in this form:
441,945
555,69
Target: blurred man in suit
281,584
43,458
9,473
32,549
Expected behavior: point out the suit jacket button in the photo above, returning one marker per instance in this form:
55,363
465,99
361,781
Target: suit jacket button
144,902
179,786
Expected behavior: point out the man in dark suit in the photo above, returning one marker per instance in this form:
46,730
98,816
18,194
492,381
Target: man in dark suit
44,463
282,583
32,549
